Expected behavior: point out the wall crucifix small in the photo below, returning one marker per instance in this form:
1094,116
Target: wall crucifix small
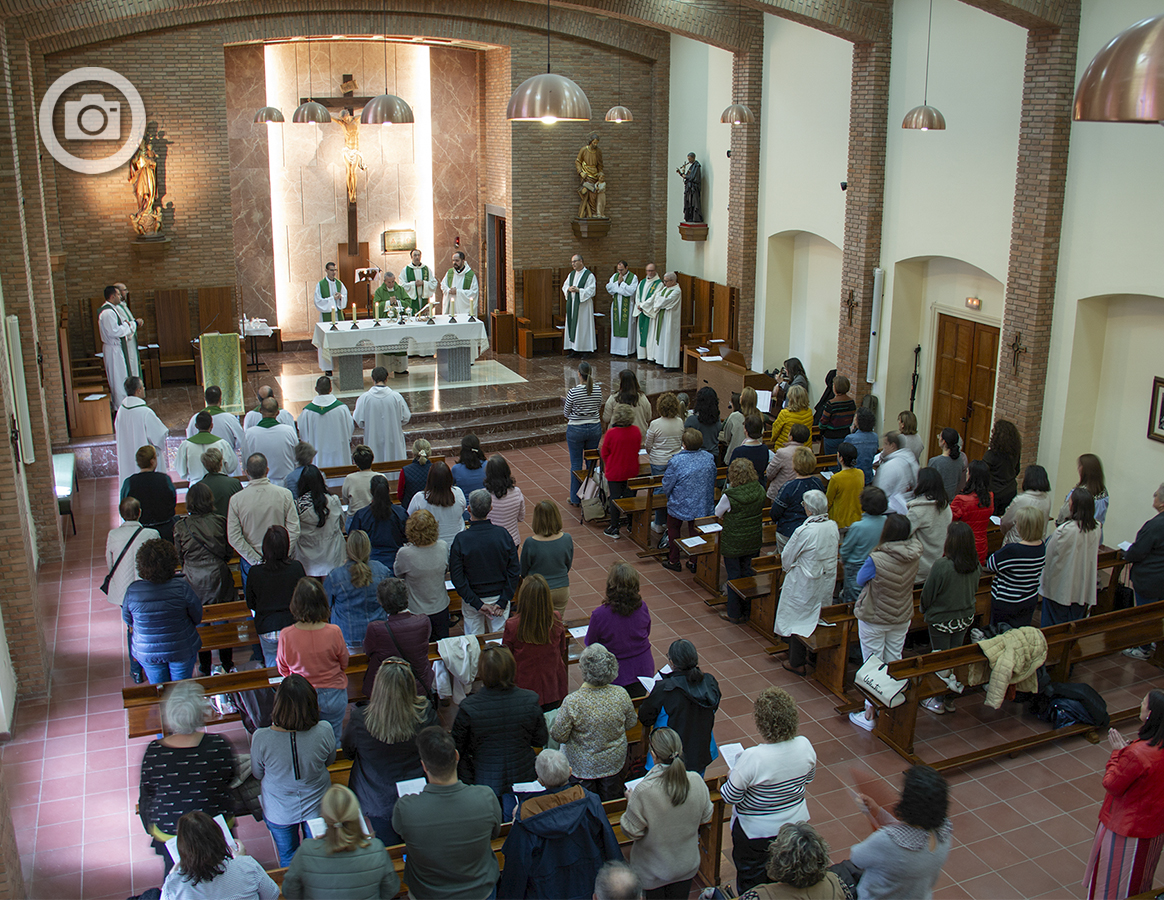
851,303
1016,347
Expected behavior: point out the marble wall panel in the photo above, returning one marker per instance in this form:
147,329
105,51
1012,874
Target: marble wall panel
250,185
347,57
304,255
453,79
383,185
406,180
300,146
318,195
320,83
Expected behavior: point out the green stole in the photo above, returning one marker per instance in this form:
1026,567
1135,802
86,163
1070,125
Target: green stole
267,423
644,320
215,410
467,281
203,437
124,343
325,292
574,303
620,314
323,409
409,275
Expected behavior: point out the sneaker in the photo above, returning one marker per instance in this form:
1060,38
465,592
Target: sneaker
934,705
858,719
658,528
611,532
1137,653
217,670
952,682
948,704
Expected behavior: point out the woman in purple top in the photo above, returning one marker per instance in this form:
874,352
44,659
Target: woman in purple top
623,625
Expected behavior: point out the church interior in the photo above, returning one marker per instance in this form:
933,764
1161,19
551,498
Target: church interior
1000,262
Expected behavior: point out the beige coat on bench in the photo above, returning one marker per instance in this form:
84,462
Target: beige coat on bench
1014,658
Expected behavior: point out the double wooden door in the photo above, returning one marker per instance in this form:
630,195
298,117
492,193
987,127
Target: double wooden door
964,375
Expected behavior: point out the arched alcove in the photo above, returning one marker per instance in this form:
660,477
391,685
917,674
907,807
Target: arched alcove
802,300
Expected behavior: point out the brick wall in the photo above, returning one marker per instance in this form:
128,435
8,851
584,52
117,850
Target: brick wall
864,202
1044,135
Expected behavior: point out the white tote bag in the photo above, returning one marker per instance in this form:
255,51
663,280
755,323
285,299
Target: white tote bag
873,678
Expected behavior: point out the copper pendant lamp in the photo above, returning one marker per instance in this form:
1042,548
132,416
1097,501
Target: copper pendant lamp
548,98
737,113
925,117
619,113
1125,80
386,109
268,114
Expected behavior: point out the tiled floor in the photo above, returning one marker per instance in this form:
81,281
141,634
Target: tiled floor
1022,827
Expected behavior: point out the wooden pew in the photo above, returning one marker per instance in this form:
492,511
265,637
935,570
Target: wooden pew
710,839
1067,644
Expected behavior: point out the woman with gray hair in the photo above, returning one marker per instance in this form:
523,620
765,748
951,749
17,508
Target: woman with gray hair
186,770
592,723
809,560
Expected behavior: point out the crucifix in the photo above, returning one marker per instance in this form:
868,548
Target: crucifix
345,111
852,303
1016,347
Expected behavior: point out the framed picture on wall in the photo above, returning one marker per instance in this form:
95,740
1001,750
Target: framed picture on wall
1156,413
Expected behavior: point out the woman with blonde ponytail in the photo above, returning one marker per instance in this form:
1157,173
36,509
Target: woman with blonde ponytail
582,409
663,816
351,590
346,862
414,476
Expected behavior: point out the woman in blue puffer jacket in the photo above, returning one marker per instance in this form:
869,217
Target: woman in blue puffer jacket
163,613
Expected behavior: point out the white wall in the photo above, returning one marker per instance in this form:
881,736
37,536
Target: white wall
949,194
701,88
804,146
1112,235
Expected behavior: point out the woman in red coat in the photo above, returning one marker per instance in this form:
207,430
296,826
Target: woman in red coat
619,451
974,505
1130,833
537,638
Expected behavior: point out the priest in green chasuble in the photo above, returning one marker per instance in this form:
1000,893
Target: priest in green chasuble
578,293
459,288
391,294
331,299
621,288
418,282
644,299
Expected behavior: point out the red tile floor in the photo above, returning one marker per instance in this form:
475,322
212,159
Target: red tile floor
1022,827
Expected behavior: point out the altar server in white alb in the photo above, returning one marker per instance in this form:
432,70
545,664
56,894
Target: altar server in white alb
226,424
327,424
118,330
578,291
188,459
331,299
274,440
640,323
135,426
621,288
459,288
382,413
665,314
418,282
255,415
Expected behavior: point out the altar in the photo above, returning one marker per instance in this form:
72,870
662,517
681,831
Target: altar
455,345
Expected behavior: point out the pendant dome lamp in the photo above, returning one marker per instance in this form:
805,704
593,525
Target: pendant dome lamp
619,113
309,111
548,98
925,117
269,114
737,113
1125,80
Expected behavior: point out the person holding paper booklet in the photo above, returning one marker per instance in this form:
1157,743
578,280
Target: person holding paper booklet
186,770
622,624
684,699
741,508
663,815
211,868
743,405
538,639
752,447
689,484
767,785
380,740
809,560
345,863
549,552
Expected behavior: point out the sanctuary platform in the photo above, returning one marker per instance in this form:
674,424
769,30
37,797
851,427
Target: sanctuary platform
509,401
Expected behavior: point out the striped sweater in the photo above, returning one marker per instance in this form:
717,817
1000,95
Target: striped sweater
767,785
580,407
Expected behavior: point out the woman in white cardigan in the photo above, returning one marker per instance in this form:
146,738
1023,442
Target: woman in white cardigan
1068,580
809,560
663,815
929,518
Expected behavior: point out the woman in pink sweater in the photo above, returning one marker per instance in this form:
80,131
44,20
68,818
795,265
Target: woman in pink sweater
315,649
619,452
508,501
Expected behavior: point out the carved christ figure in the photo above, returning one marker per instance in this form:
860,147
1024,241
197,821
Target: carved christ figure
353,159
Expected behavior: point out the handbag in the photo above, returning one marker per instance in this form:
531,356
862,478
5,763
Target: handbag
873,678
124,550
593,496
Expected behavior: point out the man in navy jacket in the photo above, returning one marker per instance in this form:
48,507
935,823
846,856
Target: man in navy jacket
484,564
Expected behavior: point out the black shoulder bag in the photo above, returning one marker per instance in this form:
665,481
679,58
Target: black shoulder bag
124,550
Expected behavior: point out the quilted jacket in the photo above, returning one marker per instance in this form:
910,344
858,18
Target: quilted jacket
495,732
164,618
1014,657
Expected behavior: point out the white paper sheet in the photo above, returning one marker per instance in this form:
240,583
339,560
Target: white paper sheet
172,843
449,586
634,783
528,787
711,358
1125,546
692,542
648,683
317,827
730,753
996,520
579,633
763,401
703,349
827,475
411,786
717,341
710,528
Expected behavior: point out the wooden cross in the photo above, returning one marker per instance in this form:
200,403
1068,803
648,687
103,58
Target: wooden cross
1016,347
852,303
348,102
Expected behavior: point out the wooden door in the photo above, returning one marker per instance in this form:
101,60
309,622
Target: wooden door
964,374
